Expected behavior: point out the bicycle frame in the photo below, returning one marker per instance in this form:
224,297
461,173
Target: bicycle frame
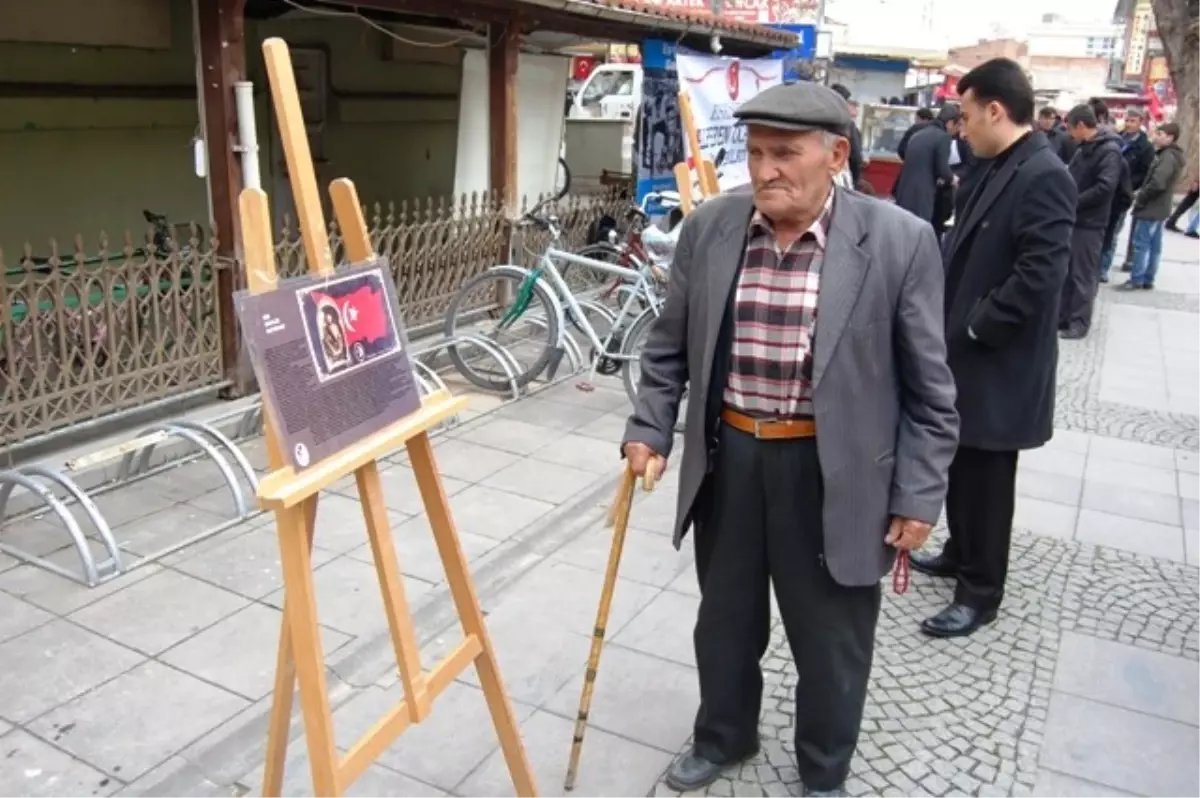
546,266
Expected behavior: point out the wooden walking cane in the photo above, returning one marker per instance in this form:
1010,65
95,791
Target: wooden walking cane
618,519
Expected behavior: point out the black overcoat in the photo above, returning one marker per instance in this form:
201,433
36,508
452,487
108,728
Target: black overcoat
1006,259
926,168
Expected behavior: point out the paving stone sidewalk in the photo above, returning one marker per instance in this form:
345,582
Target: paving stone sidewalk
158,684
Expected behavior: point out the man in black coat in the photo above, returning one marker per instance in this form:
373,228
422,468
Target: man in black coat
856,153
1056,134
1096,169
1005,260
926,170
924,120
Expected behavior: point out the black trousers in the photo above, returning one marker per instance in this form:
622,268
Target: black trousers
1183,207
759,524
979,512
1083,280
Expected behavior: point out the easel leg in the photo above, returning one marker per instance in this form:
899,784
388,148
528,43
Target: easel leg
458,576
301,617
285,684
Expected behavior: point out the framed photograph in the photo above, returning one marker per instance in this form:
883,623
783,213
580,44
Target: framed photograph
348,322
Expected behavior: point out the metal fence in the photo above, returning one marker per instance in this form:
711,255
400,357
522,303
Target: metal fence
85,334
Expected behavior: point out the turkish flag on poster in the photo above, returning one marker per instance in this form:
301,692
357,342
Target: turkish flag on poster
364,314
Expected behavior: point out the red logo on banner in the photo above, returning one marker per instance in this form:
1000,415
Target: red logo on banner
733,78
364,314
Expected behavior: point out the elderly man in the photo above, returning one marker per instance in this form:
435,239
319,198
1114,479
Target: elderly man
807,321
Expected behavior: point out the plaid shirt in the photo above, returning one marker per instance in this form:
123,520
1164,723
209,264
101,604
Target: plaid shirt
775,313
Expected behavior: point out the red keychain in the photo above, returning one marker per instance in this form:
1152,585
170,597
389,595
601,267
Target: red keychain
900,573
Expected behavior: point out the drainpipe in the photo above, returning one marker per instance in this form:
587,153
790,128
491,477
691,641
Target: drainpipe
243,94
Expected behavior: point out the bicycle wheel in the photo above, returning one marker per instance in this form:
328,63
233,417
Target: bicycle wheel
631,369
514,312
562,179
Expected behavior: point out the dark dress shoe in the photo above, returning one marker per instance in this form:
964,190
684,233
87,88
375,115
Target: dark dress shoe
957,620
933,564
690,771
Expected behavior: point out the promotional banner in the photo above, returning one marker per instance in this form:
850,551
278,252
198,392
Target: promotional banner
717,87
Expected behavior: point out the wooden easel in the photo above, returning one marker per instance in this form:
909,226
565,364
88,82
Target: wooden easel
293,498
706,171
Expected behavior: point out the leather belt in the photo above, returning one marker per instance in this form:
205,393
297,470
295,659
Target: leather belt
770,429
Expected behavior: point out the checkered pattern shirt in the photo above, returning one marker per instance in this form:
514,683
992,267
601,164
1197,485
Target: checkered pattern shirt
775,313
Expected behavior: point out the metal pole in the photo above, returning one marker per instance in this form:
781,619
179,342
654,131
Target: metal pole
243,93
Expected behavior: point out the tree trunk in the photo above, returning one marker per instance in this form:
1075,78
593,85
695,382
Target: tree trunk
1180,34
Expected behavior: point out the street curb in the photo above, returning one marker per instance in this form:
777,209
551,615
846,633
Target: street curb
218,767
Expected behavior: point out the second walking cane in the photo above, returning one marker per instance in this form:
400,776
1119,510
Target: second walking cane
618,519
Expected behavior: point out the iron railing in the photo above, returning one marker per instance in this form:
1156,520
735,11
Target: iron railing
85,334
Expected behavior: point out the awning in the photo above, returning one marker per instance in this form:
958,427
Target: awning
675,23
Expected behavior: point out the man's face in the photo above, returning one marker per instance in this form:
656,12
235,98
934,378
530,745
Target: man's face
953,126
980,122
1079,132
1046,123
792,171
1162,139
1133,123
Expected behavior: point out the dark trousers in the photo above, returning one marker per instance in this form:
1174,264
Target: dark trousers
1083,279
979,511
759,524
1183,207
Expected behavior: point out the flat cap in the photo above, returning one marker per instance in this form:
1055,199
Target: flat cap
803,105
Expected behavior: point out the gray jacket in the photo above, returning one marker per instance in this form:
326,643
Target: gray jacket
883,395
1153,200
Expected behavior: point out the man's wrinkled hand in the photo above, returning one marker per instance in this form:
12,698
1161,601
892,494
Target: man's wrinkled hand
907,533
641,457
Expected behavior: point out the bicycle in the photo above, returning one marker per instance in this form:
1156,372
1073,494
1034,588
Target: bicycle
509,292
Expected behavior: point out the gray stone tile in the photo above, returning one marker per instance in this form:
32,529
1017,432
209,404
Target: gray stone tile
239,653
59,594
609,765
1129,677
518,437
1187,460
1045,518
340,525
1108,471
1067,440
137,720
177,767
57,662
639,697
664,628
417,551
655,512
37,536
536,479
645,557
1131,534
1049,487
1091,740
1131,452
1191,514
469,461
220,502
375,782
349,598
30,767
583,453
18,617
608,395
609,427
558,595
552,415
247,564
7,562
1131,503
1189,485
190,480
686,583
1054,461
158,612
1050,782
130,502
495,514
153,533
461,716
400,494
536,658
